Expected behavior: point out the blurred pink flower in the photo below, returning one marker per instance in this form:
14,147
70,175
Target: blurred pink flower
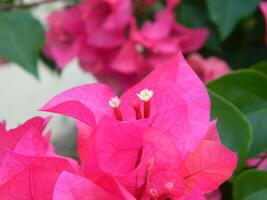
64,38
105,21
208,69
28,166
140,150
108,44
263,8
166,36
259,162
2,61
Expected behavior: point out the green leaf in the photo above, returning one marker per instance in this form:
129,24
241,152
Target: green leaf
246,89
234,129
261,67
248,183
49,63
192,15
227,13
21,39
260,195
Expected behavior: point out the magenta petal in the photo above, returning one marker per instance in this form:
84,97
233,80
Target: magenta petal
30,177
212,133
172,3
121,15
84,134
167,164
159,29
128,60
26,138
196,194
208,69
37,124
175,86
209,166
191,39
105,39
83,103
117,146
72,187
33,143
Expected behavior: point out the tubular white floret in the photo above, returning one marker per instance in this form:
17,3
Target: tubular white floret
114,102
145,94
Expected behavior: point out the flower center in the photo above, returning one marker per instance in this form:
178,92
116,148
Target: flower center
115,103
144,95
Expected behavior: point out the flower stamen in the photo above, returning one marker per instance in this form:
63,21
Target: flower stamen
115,103
136,107
146,95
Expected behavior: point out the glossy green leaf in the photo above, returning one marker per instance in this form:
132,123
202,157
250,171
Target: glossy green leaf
261,67
246,89
21,39
227,13
260,195
192,14
234,129
248,183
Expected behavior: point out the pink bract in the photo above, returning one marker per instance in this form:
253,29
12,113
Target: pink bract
172,150
208,69
28,166
129,163
176,90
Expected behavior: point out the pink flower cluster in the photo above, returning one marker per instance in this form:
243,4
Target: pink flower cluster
110,41
155,142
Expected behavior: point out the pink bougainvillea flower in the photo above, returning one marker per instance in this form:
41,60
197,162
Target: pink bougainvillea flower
105,21
28,166
172,98
211,163
145,164
156,140
168,37
71,186
26,135
103,35
208,69
64,38
263,7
